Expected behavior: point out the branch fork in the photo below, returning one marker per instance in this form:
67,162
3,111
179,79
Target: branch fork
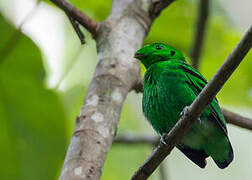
77,17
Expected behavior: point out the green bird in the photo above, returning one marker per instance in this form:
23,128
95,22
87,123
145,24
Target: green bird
171,84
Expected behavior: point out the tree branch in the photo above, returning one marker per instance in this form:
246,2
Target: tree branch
196,108
117,38
132,140
203,12
237,120
77,29
230,117
78,16
157,6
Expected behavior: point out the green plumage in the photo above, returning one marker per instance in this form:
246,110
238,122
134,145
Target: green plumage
170,84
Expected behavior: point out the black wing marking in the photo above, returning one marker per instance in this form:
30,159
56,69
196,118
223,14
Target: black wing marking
197,156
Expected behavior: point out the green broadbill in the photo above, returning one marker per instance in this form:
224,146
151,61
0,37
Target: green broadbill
171,84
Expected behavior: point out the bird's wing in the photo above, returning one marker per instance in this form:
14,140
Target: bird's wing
197,82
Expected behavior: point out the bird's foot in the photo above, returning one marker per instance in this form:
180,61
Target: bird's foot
162,140
184,111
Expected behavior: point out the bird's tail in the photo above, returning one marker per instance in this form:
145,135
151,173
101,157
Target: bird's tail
224,156
224,163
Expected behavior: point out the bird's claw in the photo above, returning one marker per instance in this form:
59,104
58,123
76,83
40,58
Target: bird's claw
162,140
184,111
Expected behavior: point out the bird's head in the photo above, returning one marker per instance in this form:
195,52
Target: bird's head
157,52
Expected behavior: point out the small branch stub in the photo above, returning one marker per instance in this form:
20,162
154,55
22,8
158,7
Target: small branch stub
77,29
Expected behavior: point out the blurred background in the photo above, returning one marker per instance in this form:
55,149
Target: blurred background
45,72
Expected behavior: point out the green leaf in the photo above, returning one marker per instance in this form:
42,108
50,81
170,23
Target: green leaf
32,120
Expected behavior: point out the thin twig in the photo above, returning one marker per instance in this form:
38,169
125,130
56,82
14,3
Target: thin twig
196,108
77,15
77,29
132,140
237,120
203,12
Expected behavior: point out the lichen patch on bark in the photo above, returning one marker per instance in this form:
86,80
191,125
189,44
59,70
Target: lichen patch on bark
93,101
78,171
116,96
97,117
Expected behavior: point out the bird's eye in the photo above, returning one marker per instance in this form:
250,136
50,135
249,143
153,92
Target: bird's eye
172,53
159,47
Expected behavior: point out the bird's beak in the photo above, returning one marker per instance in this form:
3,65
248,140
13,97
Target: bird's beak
138,55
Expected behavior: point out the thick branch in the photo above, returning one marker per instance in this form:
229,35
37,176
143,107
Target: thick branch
77,15
118,37
203,12
196,108
237,120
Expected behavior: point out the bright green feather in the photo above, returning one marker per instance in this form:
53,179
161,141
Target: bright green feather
170,84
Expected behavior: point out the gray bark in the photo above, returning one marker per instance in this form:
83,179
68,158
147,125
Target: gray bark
116,74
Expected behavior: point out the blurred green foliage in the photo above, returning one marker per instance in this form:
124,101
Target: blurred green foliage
32,119
36,123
